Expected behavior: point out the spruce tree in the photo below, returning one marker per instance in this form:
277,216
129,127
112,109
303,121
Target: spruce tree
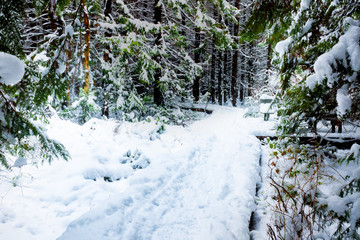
315,56
22,103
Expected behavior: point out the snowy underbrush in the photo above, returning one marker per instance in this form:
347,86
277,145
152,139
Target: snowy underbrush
85,109
171,116
310,193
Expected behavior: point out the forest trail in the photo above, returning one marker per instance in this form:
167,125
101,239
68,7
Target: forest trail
206,190
200,183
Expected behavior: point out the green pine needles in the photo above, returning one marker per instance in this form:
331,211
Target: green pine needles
315,191
22,103
21,134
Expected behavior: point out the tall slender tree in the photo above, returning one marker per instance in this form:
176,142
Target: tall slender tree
87,48
158,95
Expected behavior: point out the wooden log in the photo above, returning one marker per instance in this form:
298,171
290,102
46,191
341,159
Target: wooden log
340,143
196,109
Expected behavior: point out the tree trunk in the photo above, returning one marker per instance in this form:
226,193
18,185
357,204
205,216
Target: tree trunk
234,78
225,76
268,61
107,11
87,49
68,69
220,77
145,5
158,96
235,61
249,72
52,14
196,86
242,80
212,75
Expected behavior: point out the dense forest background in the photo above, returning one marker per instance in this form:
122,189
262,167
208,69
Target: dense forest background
128,59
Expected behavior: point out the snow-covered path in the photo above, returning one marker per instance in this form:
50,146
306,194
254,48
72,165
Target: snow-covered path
200,183
203,189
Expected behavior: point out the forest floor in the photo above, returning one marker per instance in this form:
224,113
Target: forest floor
142,180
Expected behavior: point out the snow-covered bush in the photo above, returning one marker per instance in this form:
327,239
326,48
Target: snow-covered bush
252,106
295,177
136,159
83,109
315,192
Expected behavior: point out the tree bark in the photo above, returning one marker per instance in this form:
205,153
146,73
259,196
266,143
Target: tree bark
196,86
249,72
52,14
242,80
225,76
268,60
107,11
234,78
68,69
158,96
235,61
212,75
220,77
87,50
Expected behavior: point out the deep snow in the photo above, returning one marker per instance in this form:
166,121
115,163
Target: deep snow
196,182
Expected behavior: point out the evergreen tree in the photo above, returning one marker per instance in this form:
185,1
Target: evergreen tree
171,48
11,27
22,102
319,77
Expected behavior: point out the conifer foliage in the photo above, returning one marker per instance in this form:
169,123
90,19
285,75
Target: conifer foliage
21,102
124,59
128,59
316,56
